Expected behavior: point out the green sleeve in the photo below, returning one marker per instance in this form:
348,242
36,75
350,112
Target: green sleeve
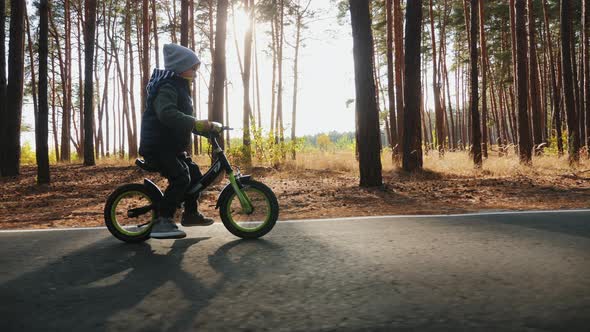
167,111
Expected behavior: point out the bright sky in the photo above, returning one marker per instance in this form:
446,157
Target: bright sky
326,76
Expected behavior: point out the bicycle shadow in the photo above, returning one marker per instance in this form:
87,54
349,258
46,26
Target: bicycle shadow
113,286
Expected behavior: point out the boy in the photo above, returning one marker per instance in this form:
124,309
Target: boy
166,131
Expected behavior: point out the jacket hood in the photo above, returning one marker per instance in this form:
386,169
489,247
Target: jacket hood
158,75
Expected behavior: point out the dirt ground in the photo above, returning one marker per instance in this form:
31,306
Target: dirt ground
77,194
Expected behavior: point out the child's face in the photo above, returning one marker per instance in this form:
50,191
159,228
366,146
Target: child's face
191,73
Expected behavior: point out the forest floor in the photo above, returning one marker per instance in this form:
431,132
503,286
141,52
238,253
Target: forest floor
315,186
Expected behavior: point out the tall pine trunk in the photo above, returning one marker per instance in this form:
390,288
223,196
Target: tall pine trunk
535,93
586,51
280,41
219,67
390,82
556,92
568,81
184,22
524,137
247,114
484,81
89,33
42,121
438,111
67,88
2,84
368,135
145,63
412,137
399,69
13,112
155,31
474,95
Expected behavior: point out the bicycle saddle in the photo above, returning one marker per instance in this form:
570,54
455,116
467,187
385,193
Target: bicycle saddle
145,166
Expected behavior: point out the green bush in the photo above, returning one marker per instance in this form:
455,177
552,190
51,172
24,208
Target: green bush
27,155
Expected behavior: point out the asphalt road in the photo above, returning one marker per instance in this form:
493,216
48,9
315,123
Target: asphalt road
504,272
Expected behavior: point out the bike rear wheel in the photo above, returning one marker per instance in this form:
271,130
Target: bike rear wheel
262,218
129,213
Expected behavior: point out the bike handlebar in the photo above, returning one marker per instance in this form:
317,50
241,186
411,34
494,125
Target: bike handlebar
208,134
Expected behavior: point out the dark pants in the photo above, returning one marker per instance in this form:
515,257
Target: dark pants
182,173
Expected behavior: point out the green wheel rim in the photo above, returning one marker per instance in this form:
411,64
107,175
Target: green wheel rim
259,227
120,228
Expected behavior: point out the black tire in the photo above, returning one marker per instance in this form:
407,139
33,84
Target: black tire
111,213
271,213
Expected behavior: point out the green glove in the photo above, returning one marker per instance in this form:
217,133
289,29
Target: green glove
202,125
208,126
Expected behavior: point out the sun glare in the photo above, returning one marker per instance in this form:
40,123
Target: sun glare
241,19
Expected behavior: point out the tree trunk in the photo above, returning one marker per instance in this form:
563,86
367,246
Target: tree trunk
524,137
474,95
484,81
145,63
174,23
586,51
183,22
226,94
568,83
42,120
399,69
257,80
247,112
132,126
3,83
53,111
533,71
32,64
219,68
438,111
13,112
368,135
155,31
299,24
273,33
412,139
390,82
212,50
195,141
65,65
556,93
281,38
89,33
79,137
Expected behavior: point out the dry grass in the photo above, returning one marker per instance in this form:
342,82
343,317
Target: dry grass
452,164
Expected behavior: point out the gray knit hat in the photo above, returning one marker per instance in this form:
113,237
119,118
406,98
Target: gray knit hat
179,58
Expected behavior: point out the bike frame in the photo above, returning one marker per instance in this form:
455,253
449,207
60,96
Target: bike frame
218,166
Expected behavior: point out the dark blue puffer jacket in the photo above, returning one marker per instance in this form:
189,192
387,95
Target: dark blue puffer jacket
167,122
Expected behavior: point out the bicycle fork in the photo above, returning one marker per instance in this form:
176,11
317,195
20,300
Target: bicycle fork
244,199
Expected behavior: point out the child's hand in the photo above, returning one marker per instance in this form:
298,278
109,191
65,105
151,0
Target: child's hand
205,126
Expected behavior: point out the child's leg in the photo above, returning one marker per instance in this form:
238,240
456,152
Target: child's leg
177,173
190,202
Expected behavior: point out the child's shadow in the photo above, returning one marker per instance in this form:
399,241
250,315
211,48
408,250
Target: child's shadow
110,286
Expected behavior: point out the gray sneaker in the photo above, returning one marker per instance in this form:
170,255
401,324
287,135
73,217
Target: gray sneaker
195,219
165,228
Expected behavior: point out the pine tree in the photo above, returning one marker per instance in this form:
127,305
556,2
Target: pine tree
368,135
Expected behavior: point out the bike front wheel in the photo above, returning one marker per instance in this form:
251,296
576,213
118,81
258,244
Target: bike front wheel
262,218
129,213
